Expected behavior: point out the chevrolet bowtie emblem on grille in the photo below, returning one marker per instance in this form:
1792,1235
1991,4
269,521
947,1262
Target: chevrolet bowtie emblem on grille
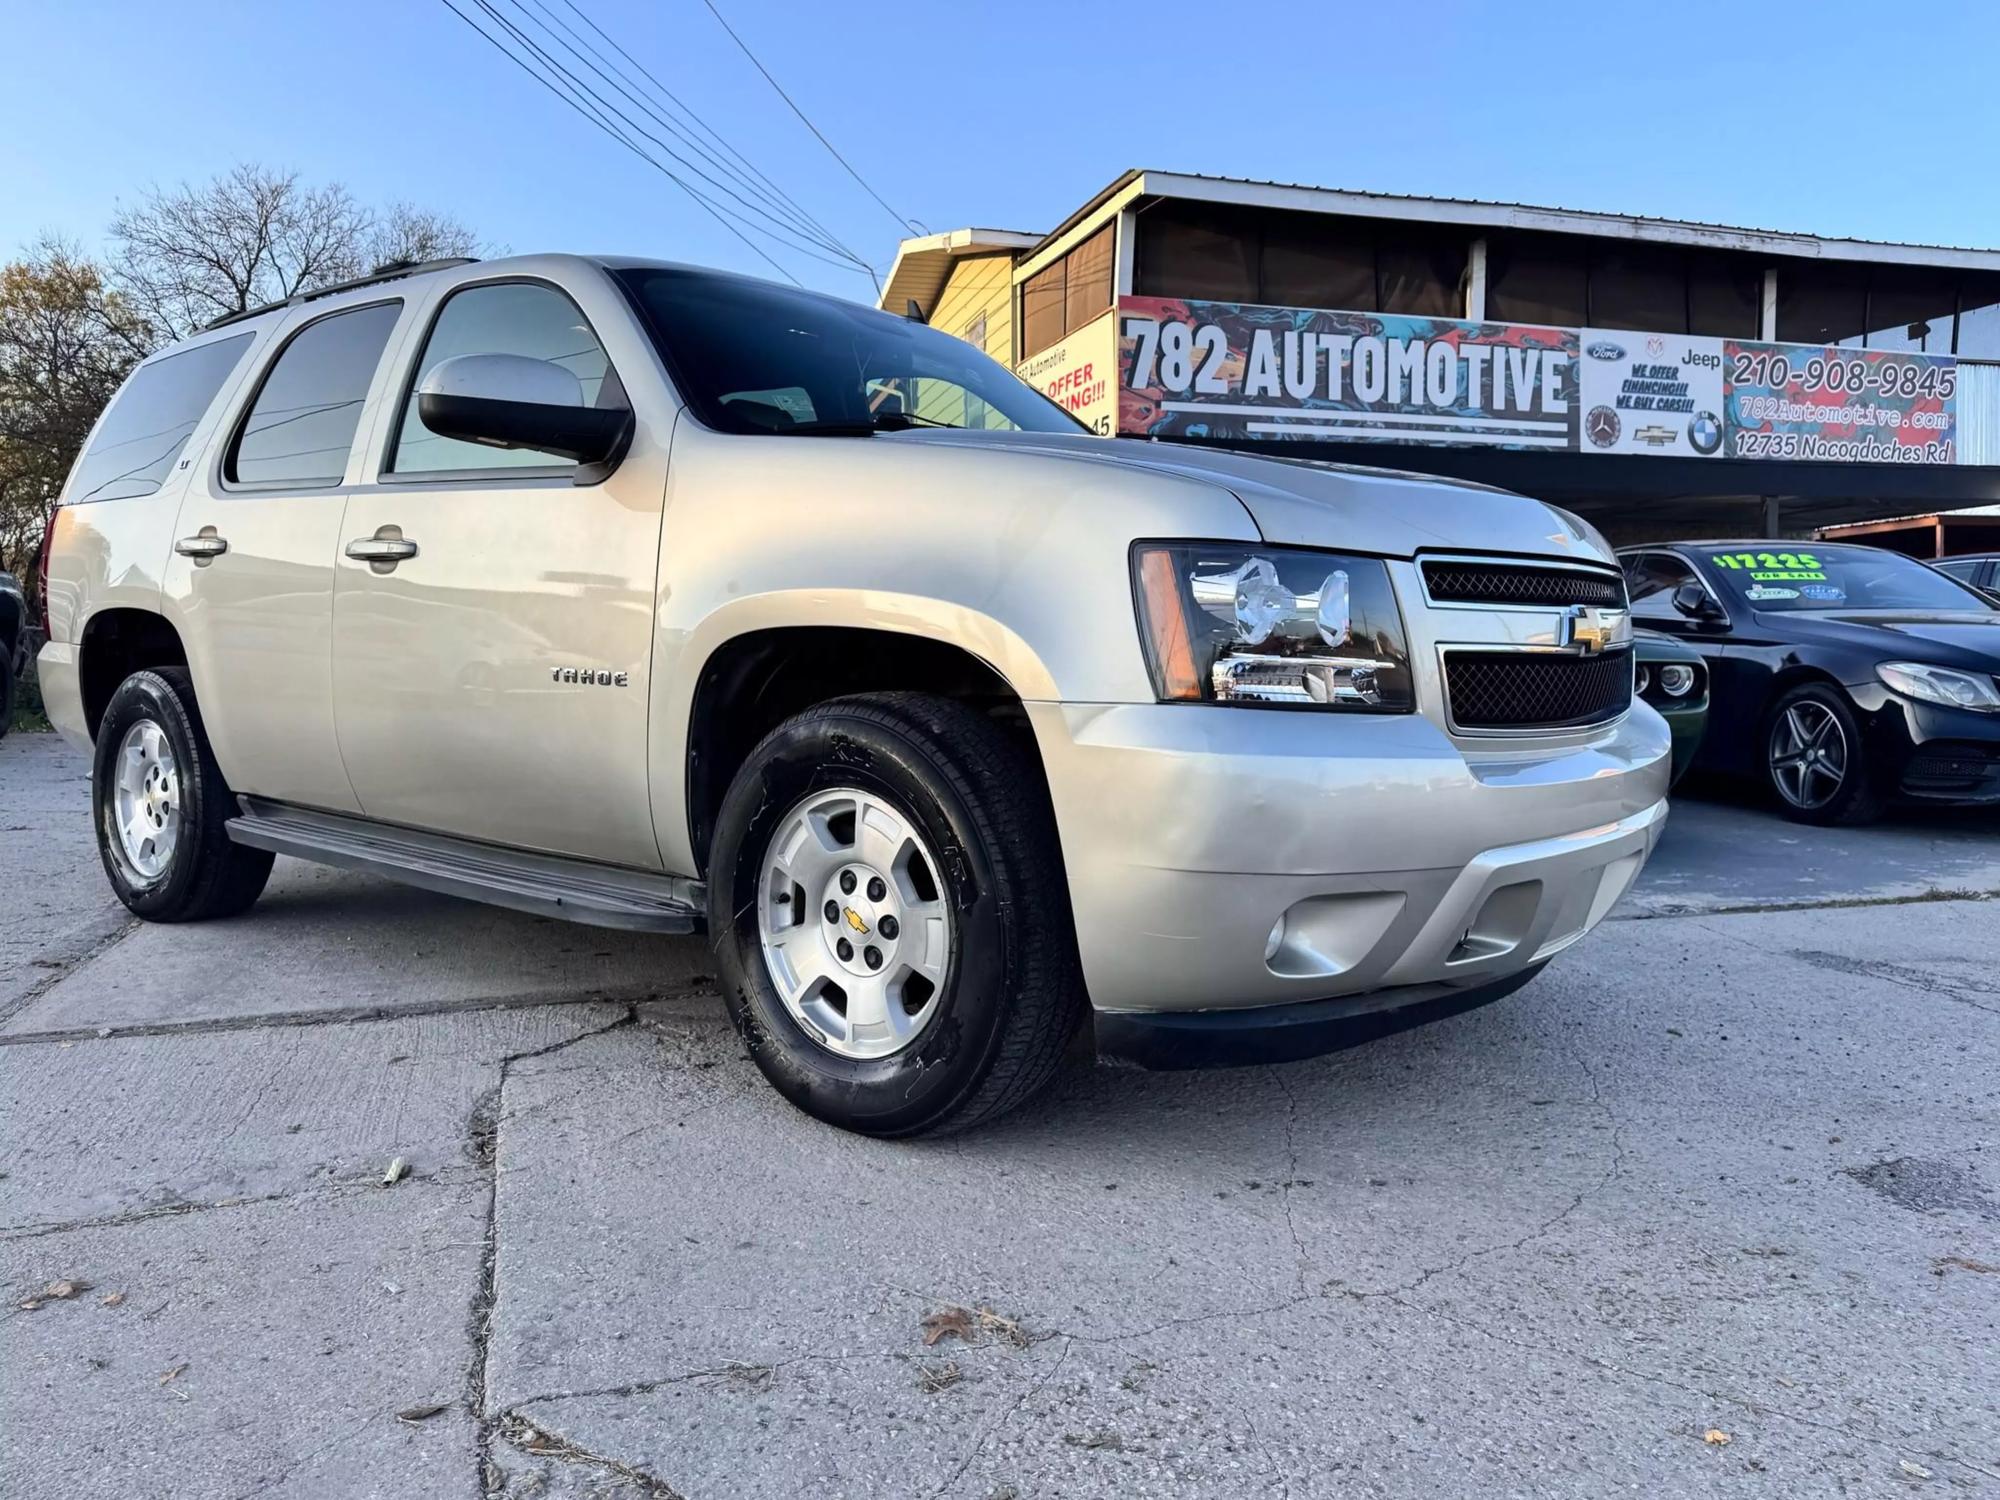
1591,629
854,921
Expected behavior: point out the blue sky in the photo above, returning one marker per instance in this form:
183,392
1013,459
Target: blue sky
1835,118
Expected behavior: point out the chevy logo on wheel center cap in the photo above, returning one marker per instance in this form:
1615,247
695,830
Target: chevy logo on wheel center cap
854,921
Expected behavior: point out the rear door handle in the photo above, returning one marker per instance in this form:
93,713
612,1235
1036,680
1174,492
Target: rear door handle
383,550
203,547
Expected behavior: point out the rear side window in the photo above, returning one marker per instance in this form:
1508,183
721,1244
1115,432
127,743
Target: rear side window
302,423
150,421
511,317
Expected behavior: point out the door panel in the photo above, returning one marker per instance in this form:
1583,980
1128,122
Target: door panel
494,685
250,578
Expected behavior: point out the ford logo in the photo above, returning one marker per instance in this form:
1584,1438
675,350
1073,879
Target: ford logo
1605,349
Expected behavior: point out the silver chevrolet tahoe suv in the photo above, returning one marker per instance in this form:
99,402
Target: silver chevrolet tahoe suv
666,599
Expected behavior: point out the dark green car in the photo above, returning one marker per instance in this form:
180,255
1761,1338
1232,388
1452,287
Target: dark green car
1674,679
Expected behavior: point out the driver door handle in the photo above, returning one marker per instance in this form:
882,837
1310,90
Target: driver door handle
382,549
202,547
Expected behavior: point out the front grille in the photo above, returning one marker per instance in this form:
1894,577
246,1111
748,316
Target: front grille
1951,766
1521,584
1536,689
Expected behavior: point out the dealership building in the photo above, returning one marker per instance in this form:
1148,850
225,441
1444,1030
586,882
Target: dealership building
1663,378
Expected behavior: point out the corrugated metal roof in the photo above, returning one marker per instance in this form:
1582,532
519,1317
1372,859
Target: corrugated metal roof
1496,212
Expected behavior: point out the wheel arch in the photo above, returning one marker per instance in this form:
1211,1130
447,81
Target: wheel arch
116,642
744,683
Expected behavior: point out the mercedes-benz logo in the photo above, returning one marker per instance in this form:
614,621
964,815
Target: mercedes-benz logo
1601,426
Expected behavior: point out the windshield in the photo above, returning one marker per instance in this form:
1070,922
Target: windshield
753,357
1822,577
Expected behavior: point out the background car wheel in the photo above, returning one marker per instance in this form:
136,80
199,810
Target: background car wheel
161,803
890,917
1814,759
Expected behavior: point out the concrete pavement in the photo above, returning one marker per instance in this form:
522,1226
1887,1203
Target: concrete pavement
1723,1171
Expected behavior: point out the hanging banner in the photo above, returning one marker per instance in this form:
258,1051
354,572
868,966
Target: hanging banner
1079,373
1829,405
1657,393
1231,369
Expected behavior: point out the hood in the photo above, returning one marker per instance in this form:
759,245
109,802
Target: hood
1300,502
1954,638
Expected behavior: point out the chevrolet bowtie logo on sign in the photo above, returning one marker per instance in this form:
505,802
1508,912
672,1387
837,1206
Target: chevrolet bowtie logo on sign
1655,436
1592,630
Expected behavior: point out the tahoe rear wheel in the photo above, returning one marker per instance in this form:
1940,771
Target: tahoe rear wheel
890,918
1814,759
161,803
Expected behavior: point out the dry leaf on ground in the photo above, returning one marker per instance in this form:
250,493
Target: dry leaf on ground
1716,1436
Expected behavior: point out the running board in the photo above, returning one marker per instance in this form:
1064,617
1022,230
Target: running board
548,885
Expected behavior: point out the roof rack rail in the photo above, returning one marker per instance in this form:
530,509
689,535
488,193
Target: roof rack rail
389,270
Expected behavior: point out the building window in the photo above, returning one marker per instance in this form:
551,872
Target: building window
1822,304
1285,259
1062,297
1537,278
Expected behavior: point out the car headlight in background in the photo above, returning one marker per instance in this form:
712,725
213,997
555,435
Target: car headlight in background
1642,679
1676,679
1953,689
1229,623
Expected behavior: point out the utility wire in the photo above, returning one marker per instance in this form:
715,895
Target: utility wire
590,59
902,224
781,233
623,140
700,124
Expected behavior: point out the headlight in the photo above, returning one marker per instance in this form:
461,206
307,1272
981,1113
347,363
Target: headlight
1677,679
1228,623
1941,685
1642,678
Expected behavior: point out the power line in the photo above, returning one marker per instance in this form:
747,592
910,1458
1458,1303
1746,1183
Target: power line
590,59
902,224
700,124
621,138
781,233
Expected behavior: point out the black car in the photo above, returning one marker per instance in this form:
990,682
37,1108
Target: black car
13,645
1980,569
1842,676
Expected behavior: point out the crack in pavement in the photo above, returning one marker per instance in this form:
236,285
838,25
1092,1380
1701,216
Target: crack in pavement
362,1014
112,928
483,1147
368,1183
992,1429
539,1442
1292,1173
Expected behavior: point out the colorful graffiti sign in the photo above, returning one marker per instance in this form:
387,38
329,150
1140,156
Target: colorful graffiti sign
1830,405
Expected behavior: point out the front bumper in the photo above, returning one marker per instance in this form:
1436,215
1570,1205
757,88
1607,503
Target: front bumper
1399,859
1930,752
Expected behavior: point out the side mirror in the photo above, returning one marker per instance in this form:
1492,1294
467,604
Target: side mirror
1692,600
511,401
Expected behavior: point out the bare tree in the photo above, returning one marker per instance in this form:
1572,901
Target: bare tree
66,343
406,232
190,255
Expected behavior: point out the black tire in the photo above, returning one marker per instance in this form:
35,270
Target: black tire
1013,994
207,874
1857,799
6,693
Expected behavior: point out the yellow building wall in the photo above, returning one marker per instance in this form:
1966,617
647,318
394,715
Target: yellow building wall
979,285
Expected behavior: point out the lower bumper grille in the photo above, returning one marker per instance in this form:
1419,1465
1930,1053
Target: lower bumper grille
1536,689
1954,769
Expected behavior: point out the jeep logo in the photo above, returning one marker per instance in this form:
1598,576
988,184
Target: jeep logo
590,676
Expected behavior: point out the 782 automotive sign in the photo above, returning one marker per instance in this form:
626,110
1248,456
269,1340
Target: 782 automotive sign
1831,405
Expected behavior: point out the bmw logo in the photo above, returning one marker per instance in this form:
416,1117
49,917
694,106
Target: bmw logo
1605,349
1705,432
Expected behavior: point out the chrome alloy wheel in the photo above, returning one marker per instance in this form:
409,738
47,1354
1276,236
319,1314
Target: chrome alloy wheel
851,914
1808,755
145,804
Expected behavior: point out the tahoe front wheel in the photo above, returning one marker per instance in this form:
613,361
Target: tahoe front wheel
890,918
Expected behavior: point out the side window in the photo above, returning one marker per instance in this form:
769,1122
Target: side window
1965,572
302,423
518,317
1651,579
150,421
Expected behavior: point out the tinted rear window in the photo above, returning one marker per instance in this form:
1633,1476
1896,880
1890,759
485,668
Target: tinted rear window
302,423
150,421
